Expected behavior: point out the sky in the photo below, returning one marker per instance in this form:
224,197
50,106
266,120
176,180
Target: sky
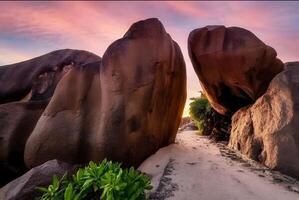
30,29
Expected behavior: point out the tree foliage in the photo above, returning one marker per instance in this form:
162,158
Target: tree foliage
200,109
208,121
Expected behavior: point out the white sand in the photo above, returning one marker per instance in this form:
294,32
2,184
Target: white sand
196,170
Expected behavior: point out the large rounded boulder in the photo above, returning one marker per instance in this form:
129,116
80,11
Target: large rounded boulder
36,79
25,91
25,186
233,65
17,121
267,131
69,119
123,109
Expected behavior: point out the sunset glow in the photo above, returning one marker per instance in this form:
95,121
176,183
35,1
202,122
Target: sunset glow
30,29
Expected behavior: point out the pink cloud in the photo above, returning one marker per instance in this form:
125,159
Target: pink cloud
187,8
247,15
78,22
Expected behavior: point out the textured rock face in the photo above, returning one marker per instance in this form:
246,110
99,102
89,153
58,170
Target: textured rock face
37,78
124,109
70,119
234,67
267,131
24,187
17,121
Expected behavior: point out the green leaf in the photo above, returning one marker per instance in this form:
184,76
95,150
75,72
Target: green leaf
42,189
55,182
87,183
106,179
68,194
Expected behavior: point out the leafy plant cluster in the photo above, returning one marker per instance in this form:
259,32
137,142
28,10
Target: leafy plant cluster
106,181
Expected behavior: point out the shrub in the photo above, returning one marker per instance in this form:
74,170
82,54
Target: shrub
200,109
106,181
208,121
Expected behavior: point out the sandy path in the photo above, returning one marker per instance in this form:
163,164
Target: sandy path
194,168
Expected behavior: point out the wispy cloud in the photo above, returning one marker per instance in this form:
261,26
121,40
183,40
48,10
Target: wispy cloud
12,55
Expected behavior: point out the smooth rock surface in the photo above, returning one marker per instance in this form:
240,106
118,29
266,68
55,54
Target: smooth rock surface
267,131
24,187
124,109
234,66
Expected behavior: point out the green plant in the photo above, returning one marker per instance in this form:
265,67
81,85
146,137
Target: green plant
208,121
200,109
106,181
